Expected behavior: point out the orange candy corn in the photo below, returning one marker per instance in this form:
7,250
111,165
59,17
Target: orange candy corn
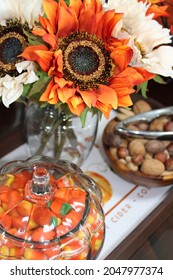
20,180
61,230
63,194
4,193
6,221
41,235
41,215
16,252
13,199
34,254
24,208
53,253
4,251
72,219
20,223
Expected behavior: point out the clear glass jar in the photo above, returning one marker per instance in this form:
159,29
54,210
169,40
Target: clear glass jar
49,210
58,134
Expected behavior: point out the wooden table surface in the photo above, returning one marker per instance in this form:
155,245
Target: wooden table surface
153,238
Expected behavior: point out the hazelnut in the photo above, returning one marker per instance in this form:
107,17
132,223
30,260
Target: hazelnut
137,159
170,149
169,164
122,152
168,126
161,156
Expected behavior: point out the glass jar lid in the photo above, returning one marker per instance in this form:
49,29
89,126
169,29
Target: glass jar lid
43,202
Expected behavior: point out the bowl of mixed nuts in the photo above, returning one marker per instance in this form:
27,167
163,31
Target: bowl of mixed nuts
138,143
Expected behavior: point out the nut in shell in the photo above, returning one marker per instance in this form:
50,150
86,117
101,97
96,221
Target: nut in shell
144,161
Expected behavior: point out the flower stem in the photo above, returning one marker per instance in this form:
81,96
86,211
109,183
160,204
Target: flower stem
46,136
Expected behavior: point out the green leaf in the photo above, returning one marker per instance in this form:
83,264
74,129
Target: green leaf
83,116
26,89
22,101
49,204
143,89
159,79
67,2
54,222
32,39
39,86
66,207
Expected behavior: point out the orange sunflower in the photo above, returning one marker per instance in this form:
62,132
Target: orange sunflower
87,66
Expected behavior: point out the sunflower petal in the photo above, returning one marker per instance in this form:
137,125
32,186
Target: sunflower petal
51,40
158,11
125,101
69,25
44,58
104,108
107,24
76,4
121,57
38,31
107,95
50,8
46,93
62,82
76,105
90,10
65,93
50,94
29,52
89,97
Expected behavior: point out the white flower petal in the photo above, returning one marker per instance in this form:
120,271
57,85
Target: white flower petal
23,10
11,88
29,11
9,97
31,78
8,10
160,61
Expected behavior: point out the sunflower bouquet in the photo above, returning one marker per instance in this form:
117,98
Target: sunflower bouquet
80,56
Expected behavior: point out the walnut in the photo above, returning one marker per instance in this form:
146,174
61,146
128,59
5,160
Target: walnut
136,147
152,167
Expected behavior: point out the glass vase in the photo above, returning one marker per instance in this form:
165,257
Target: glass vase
54,133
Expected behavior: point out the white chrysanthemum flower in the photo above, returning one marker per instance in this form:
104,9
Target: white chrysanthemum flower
16,16
11,88
23,10
148,39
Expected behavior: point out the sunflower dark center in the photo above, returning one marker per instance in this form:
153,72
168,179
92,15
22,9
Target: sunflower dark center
86,61
12,43
10,49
